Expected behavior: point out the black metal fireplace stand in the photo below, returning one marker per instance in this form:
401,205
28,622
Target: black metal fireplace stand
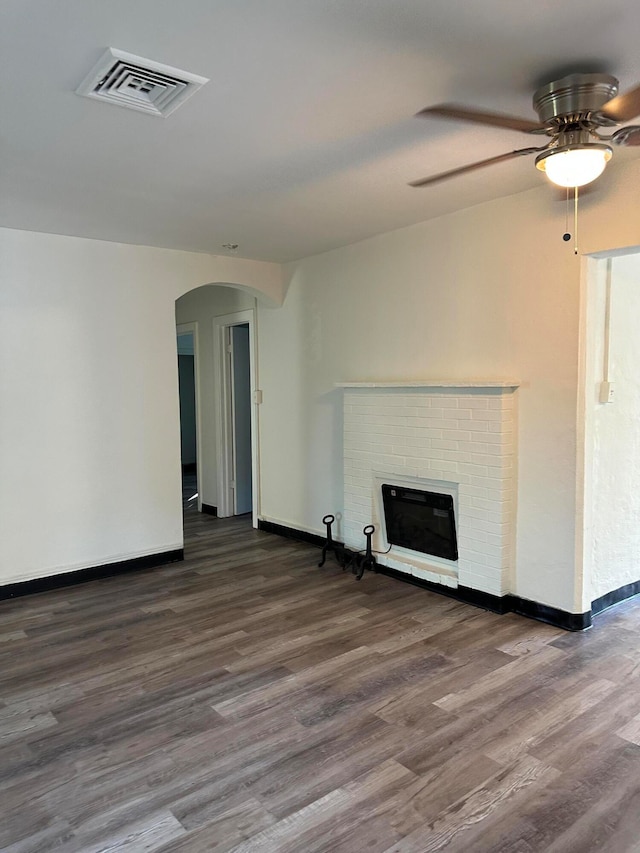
357,561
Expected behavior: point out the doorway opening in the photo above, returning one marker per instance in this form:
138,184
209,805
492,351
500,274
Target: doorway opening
240,386
223,322
186,335
237,448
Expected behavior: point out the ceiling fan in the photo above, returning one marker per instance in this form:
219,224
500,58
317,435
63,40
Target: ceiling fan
571,111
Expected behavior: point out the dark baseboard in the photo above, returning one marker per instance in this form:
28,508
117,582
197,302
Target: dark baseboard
291,533
615,597
207,509
550,615
494,603
92,573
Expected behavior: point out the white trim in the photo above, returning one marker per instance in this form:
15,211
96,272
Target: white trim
435,383
223,412
182,329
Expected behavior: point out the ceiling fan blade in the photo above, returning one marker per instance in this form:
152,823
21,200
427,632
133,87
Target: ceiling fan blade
471,167
453,111
623,107
627,136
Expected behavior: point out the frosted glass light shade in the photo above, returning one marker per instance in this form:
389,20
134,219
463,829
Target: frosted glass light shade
574,166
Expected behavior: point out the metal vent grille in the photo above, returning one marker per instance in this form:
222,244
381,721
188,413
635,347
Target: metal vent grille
139,84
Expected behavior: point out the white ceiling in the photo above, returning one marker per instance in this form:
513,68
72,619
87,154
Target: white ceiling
304,139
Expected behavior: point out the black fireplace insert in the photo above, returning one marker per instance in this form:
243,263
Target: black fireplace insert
421,521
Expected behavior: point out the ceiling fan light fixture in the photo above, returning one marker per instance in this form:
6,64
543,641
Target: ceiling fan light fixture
574,165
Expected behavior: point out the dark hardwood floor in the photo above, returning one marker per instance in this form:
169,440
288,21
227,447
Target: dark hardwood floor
246,700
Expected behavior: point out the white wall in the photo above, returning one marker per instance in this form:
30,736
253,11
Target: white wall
89,446
89,432
612,534
201,306
489,292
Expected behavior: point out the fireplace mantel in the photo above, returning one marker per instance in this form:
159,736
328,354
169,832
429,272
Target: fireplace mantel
435,383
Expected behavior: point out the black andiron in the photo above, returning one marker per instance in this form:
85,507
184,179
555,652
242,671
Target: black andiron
366,561
357,562
330,545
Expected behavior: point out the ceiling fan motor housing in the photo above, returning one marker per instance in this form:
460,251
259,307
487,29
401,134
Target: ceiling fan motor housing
574,98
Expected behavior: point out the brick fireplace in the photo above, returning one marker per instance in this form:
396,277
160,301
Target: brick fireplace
453,438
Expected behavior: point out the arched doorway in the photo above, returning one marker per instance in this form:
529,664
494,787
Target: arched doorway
221,319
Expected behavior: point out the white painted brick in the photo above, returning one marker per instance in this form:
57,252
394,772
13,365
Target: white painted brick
500,478
496,476
457,414
506,401
474,555
494,506
478,427
493,527
498,554
405,411
360,410
420,435
474,446
389,420
465,415
501,462
444,423
499,426
498,494
482,583
470,566
493,438
475,402
482,459
473,492
487,415
454,456
475,470
472,542
440,444
400,447
360,491
425,417
475,512
389,461
350,480
494,449
441,465
456,435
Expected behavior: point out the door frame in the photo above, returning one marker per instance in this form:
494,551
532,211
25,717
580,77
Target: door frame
224,422
183,329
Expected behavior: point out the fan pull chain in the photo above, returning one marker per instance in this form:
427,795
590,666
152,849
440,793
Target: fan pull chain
566,236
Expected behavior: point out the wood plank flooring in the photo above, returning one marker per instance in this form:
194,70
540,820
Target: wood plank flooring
245,700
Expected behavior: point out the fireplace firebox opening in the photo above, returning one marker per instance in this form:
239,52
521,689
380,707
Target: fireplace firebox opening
420,521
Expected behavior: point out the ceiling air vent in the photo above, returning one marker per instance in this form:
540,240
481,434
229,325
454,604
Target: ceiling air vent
139,84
